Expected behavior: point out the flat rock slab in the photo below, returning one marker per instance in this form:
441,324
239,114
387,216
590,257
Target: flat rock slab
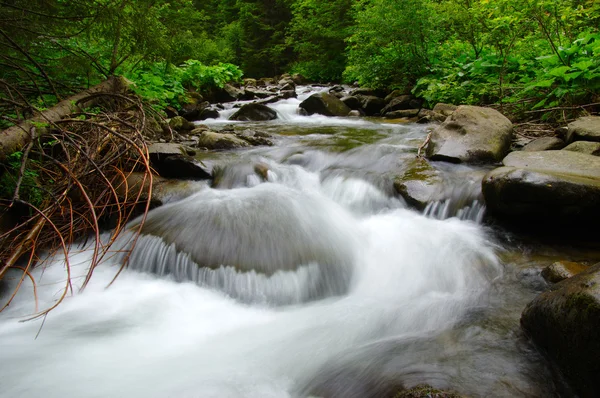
471,134
554,187
556,162
565,322
587,147
584,129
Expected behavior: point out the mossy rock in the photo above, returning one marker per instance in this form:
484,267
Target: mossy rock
565,322
425,391
419,184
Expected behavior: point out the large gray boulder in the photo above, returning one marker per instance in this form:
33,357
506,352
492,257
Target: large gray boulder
565,322
324,104
550,186
254,112
472,134
371,104
584,129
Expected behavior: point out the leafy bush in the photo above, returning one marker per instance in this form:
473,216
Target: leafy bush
166,84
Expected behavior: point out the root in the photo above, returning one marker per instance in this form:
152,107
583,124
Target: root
78,163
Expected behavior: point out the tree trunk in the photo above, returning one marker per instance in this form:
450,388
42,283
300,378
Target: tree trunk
16,137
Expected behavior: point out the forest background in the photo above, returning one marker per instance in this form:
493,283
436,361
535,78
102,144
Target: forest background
525,54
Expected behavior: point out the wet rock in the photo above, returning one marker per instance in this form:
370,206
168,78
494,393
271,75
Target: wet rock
405,113
180,124
259,93
228,93
562,270
249,82
324,104
192,112
425,391
587,147
371,104
394,94
552,187
171,112
255,137
213,140
584,129
445,109
209,113
299,80
369,92
429,116
419,184
544,144
352,102
164,190
171,161
472,134
565,322
285,94
354,113
401,102
336,89
254,112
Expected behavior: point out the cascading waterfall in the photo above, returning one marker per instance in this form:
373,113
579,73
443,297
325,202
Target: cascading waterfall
302,281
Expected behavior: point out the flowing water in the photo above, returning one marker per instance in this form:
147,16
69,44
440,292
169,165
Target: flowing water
318,281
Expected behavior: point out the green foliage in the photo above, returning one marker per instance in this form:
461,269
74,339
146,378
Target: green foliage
166,84
29,190
317,33
393,44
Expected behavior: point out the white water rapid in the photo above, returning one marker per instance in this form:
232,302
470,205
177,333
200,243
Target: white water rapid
318,282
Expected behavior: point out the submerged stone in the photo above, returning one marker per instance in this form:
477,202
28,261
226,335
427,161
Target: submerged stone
419,184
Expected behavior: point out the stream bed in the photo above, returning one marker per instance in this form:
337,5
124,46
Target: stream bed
331,286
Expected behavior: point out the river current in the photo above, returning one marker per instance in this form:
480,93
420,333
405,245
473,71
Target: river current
330,286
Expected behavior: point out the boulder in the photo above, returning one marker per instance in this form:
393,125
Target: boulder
258,93
548,187
355,113
419,184
472,134
254,112
324,104
285,94
249,82
352,102
587,147
164,190
299,80
229,93
369,91
399,103
171,161
562,270
209,113
180,124
584,129
445,109
428,116
371,104
405,113
191,112
394,94
336,89
565,323
544,144
212,140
